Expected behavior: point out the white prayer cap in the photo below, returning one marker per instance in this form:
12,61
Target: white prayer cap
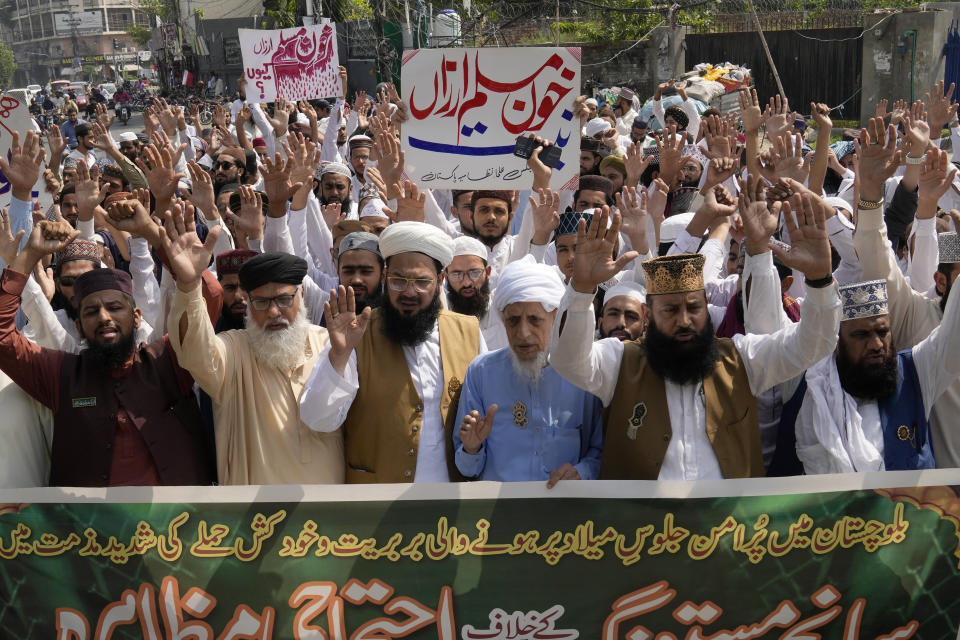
373,209
839,203
206,162
302,118
127,136
595,127
467,246
864,299
591,101
671,227
322,124
335,167
527,280
629,289
416,237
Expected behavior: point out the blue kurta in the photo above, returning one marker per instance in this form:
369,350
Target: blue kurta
563,423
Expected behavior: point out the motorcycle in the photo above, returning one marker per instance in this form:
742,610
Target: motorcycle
123,112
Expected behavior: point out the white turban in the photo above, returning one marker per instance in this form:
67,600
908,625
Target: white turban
336,167
127,136
591,101
302,118
467,246
595,127
416,237
527,280
629,289
373,209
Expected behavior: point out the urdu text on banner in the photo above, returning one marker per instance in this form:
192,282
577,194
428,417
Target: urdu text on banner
469,106
299,63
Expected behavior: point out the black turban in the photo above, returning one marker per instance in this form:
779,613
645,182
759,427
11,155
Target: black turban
101,280
679,115
272,267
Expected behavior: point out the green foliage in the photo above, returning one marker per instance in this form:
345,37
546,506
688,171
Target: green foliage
164,9
7,65
356,10
140,35
281,13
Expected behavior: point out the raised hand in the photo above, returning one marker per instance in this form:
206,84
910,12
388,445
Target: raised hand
776,116
250,221
593,261
47,237
809,250
788,160
632,204
99,139
9,246
936,176
188,257
332,213
304,158
392,158
410,204
670,150
759,222
635,163
44,278
276,180
750,113
56,143
916,128
131,216
344,327
821,116
545,216
160,175
24,166
541,172
881,109
201,191
942,109
104,117
898,111
878,158
88,190
476,428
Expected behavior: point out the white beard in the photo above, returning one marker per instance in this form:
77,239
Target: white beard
281,349
529,370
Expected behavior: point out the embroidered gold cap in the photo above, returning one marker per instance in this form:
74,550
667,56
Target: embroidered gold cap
678,273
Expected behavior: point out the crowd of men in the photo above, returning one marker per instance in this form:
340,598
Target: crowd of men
265,300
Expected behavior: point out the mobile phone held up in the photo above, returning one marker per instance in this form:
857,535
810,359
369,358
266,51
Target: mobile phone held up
550,156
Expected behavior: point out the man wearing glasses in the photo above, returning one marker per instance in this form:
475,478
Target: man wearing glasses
227,168
468,289
254,375
392,375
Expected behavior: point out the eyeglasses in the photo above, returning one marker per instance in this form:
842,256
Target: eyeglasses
226,165
399,283
473,274
262,304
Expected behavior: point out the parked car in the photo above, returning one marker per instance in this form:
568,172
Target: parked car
108,89
34,89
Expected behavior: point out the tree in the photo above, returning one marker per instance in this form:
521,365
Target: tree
164,9
8,65
140,35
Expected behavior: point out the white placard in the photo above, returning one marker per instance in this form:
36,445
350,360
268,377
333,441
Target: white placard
468,106
299,63
14,116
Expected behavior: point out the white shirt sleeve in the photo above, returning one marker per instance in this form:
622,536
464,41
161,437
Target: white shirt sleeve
327,397
778,357
276,236
926,254
592,366
43,326
936,355
840,231
329,152
260,119
434,215
145,286
658,111
693,127
763,307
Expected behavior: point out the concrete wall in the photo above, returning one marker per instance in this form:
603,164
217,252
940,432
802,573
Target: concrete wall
888,57
642,67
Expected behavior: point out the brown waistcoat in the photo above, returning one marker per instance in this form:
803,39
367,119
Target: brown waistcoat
639,407
168,420
382,430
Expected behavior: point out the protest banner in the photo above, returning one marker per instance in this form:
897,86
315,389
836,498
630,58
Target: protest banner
468,106
844,556
299,63
14,116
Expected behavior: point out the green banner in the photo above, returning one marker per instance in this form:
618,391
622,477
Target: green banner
832,557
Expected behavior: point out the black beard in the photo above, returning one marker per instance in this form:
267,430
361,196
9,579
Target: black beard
867,382
682,362
345,204
110,356
475,305
409,330
491,241
374,301
230,320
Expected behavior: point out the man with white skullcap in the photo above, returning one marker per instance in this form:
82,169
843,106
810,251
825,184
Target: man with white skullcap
371,208
866,407
392,375
623,315
913,316
468,288
518,419
334,187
